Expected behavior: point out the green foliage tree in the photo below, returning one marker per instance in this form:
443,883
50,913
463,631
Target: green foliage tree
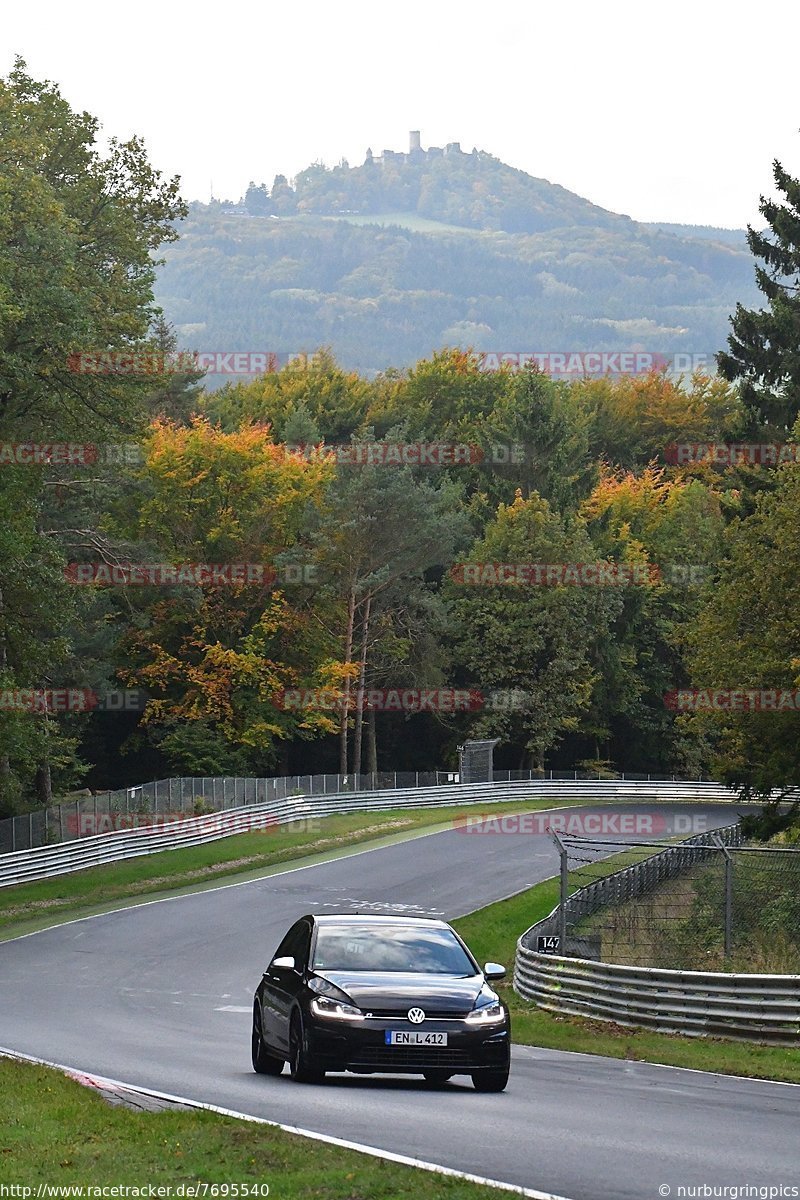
383,530
672,527
746,636
764,345
530,646
78,229
38,612
315,396
77,232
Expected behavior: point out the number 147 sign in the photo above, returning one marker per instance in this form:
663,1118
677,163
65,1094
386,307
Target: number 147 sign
548,943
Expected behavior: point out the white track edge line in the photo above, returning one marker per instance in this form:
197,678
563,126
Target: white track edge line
646,1062
329,1139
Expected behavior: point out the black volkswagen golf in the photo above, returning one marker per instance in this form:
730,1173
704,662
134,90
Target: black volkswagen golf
373,993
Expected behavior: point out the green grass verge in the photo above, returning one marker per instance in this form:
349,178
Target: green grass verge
54,1131
30,906
492,934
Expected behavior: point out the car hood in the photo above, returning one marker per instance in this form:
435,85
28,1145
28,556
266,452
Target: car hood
396,991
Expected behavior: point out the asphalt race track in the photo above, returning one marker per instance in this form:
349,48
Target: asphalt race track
160,996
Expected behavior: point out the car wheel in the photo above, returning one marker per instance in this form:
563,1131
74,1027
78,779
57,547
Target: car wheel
263,1062
437,1077
302,1067
490,1081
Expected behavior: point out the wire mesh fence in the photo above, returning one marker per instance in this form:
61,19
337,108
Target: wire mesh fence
129,808
705,904
150,803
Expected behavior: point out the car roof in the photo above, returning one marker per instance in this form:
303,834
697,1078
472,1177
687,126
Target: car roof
355,918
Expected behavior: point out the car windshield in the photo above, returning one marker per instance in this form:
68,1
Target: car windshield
390,948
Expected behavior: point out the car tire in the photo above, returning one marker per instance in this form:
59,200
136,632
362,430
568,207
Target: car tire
264,1063
437,1077
490,1081
302,1067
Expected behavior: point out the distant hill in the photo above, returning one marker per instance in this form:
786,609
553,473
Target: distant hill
387,261
709,233
475,191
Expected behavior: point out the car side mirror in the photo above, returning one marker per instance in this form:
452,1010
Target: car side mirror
283,964
494,971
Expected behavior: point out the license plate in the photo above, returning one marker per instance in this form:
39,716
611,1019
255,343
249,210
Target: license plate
414,1037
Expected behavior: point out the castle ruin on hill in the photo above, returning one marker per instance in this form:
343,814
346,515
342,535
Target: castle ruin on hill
415,152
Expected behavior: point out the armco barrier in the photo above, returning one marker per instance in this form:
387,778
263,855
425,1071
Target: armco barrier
699,1003
85,815
750,1007
100,812
43,862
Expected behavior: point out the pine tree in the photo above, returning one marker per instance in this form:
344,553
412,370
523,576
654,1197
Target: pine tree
765,344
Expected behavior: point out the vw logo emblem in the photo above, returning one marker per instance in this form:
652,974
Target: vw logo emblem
416,1016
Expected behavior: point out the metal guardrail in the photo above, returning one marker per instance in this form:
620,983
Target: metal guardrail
44,862
101,812
86,816
742,1007
709,1003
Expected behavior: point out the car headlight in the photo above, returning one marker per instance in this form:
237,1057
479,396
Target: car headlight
337,1010
489,1014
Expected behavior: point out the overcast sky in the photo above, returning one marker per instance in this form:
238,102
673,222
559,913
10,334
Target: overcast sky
668,112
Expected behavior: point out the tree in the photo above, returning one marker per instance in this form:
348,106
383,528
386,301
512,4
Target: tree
333,402
764,346
37,611
257,201
674,528
530,644
384,529
441,397
546,430
178,396
220,656
284,199
77,233
634,418
78,229
747,637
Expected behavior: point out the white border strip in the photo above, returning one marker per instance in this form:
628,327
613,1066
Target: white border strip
546,1051
329,1139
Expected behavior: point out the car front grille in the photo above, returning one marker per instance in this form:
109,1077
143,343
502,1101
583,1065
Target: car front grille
424,1057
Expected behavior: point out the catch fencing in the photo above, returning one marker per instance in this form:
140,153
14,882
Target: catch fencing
143,804
127,808
179,830
702,937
